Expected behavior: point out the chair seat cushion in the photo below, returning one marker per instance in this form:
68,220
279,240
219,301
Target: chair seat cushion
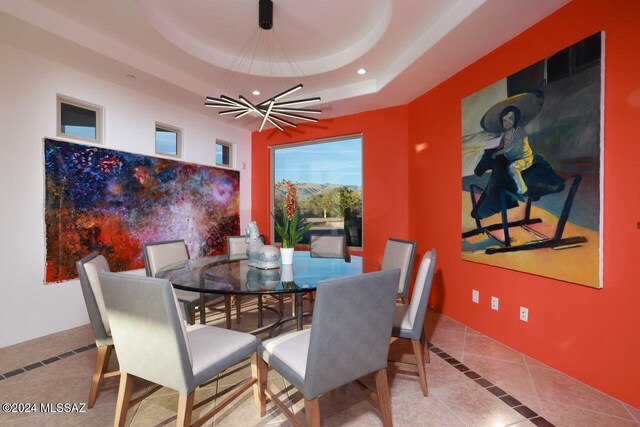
288,353
401,319
230,348
191,299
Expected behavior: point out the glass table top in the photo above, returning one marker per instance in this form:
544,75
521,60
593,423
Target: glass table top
224,275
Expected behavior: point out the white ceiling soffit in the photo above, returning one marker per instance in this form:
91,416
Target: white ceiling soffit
182,51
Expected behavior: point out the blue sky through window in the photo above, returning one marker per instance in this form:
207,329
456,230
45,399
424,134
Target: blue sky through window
82,131
335,162
166,142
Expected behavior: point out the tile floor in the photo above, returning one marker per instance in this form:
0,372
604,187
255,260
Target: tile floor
473,381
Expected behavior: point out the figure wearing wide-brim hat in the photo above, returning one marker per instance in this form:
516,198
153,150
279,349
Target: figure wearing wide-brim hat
529,105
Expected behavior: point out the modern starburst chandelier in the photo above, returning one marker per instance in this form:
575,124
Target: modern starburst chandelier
272,109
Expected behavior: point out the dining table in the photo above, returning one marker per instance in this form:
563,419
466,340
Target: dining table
225,275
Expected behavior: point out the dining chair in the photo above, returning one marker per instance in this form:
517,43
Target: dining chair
153,344
400,254
408,319
161,254
342,345
237,249
88,268
327,246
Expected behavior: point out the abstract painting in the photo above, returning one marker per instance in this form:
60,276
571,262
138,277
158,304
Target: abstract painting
107,201
532,158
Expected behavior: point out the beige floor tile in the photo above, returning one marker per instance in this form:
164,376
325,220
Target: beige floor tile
554,386
485,346
419,411
511,377
476,406
529,400
435,320
243,410
635,413
450,341
534,363
360,415
38,349
572,416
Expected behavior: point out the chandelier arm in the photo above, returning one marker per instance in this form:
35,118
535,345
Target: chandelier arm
235,110
286,122
244,113
294,116
257,110
297,110
266,115
282,94
297,101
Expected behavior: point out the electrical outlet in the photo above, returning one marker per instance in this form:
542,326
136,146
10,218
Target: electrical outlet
475,296
524,314
495,303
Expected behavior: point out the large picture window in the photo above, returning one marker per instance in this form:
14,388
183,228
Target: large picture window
328,175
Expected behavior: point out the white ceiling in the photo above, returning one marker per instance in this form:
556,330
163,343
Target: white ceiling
180,51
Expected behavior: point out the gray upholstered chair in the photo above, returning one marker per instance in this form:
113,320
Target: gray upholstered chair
408,320
88,268
161,254
400,254
153,344
327,246
342,345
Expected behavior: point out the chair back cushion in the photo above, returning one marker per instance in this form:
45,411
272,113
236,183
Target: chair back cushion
421,291
236,246
161,254
324,246
88,268
147,331
400,254
352,321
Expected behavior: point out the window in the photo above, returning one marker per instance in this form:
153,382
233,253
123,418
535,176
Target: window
223,153
168,140
79,120
328,175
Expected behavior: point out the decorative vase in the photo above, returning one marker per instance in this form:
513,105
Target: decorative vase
286,255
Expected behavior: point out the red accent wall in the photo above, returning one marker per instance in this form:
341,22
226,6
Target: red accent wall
592,335
412,170
385,164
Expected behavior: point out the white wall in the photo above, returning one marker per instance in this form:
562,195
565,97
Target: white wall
28,87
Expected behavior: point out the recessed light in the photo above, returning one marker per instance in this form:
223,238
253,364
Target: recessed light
256,92
362,71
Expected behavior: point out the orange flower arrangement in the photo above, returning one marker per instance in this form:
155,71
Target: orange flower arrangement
291,230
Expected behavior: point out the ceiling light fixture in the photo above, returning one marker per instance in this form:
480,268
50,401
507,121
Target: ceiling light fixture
270,110
362,71
256,92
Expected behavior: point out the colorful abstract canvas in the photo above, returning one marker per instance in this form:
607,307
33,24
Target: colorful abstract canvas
107,201
532,168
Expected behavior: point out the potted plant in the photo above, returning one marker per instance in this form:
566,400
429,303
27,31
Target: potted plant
291,230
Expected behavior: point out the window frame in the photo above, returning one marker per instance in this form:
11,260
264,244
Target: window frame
232,154
97,109
272,150
179,140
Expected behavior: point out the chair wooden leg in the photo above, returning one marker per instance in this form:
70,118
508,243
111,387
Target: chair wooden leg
238,304
384,399
124,396
227,311
425,348
192,315
102,361
418,351
259,370
312,411
185,407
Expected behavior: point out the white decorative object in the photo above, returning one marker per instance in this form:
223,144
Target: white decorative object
287,255
260,255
